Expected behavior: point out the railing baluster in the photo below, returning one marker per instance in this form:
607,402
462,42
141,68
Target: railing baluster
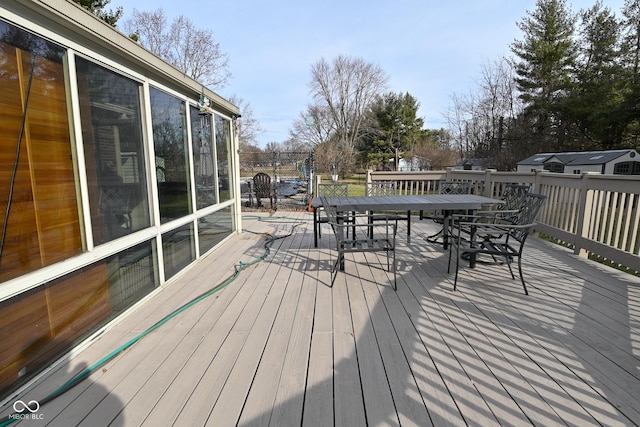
594,211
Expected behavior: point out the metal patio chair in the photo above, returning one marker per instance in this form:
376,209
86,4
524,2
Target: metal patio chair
446,187
361,240
387,188
496,236
329,190
513,196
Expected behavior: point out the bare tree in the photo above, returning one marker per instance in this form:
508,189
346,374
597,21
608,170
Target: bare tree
190,49
481,121
432,155
346,87
313,126
247,126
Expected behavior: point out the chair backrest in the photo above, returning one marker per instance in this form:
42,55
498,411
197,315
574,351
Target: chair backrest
333,190
527,212
381,188
332,216
456,187
262,185
513,196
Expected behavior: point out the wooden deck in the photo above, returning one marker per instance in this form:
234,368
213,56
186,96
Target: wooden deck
279,347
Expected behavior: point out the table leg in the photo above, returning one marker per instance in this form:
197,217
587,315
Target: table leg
315,227
472,255
445,229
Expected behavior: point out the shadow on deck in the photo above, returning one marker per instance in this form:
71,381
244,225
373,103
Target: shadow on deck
278,346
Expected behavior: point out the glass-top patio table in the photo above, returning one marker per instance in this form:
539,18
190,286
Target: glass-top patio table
446,203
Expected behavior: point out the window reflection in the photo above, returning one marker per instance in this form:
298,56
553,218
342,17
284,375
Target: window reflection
113,148
213,228
43,323
132,275
223,151
178,248
39,214
168,116
203,158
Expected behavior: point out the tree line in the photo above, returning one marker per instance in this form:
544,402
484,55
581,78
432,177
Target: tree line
571,84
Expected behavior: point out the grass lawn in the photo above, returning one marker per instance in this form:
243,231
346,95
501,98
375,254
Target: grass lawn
356,184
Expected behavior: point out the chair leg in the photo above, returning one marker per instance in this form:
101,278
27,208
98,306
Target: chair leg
388,260
395,268
455,279
521,276
509,261
336,267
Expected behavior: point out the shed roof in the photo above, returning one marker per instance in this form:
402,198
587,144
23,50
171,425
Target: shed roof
576,157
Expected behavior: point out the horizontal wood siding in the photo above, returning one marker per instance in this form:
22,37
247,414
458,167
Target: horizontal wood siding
43,225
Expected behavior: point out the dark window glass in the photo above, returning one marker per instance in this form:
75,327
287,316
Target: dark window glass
178,249
49,320
622,168
203,158
213,228
554,167
168,116
113,149
132,275
223,152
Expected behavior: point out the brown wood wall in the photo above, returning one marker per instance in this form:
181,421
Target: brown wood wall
44,225
38,325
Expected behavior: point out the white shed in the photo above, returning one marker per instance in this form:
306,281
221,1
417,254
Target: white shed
621,162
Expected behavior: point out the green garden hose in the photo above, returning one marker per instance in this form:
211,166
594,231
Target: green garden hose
241,266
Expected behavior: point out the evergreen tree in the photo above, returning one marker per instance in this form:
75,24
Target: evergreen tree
630,56
597,98
97,7
544,64
393,128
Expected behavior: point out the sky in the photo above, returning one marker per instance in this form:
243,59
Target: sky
432,49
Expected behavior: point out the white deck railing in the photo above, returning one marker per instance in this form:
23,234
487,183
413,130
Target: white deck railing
592,213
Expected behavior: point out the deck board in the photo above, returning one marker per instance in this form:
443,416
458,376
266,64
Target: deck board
279,346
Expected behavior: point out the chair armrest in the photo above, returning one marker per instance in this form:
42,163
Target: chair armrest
467,219
497,212
486,231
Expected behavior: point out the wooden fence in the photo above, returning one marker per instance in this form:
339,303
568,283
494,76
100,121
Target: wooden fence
591,213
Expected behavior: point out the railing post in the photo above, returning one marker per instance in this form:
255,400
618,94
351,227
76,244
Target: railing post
537,186
488,182
368,176
585,210
318,180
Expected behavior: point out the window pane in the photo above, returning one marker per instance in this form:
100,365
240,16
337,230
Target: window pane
113,148
37,170
178,248
203,158
223,151
213,228
45,322
168,116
